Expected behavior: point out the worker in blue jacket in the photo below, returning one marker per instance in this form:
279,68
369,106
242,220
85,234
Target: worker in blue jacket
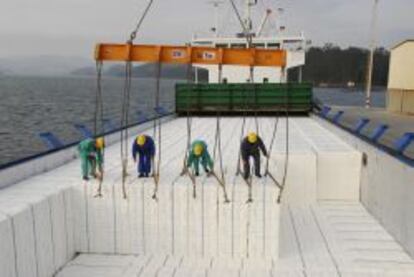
144,146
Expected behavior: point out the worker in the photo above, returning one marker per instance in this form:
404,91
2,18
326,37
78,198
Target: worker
144,146
251,147
199,154
91,154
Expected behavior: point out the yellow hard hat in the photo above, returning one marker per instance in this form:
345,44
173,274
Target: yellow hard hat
252,137
141,140
198,149
100,143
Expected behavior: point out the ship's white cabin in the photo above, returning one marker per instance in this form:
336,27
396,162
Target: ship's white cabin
294,45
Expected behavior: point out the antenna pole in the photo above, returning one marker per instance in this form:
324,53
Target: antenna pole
247,16
371,55
216,4
216,17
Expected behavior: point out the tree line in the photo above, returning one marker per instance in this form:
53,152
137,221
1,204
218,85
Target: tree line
331,65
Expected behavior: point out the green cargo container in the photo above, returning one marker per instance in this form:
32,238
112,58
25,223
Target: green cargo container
240,98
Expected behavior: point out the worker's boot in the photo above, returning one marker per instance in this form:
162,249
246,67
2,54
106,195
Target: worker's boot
141,175
85,178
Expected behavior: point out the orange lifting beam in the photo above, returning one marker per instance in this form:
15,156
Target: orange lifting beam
190,55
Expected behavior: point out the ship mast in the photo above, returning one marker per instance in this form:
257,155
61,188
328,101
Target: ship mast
248,23
216,4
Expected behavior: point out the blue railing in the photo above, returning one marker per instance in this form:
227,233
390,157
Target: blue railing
55,145
399,146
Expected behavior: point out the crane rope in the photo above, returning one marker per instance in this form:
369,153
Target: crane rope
287,153
126,103
189,122
140,21
256,105
248,181
98,116
218,148
249,41
124,125
157,131
272,141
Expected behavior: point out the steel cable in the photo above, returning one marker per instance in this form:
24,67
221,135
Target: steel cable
157,131
218,148
272,141
140,21
286,167
126,102
185,170
99,113
124,125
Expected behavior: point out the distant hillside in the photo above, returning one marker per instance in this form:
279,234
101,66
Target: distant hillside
84,71
168,71
42,65
332,65
3,71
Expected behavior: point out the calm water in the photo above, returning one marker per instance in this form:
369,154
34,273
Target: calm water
30,105
349,97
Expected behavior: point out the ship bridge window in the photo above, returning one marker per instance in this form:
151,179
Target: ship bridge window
238,45
259,45
203,43
221,45
273,45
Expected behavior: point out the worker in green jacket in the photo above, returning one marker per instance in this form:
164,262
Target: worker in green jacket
91,155
199,154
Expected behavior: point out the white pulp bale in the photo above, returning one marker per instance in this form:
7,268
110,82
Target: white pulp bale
22,220
8,251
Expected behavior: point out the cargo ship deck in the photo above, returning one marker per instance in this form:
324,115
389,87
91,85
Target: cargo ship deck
53,225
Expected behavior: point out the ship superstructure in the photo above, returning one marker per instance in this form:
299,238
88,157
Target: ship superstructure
277,38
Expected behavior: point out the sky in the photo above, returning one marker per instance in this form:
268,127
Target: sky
72,27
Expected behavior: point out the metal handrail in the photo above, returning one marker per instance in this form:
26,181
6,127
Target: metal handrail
70,145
